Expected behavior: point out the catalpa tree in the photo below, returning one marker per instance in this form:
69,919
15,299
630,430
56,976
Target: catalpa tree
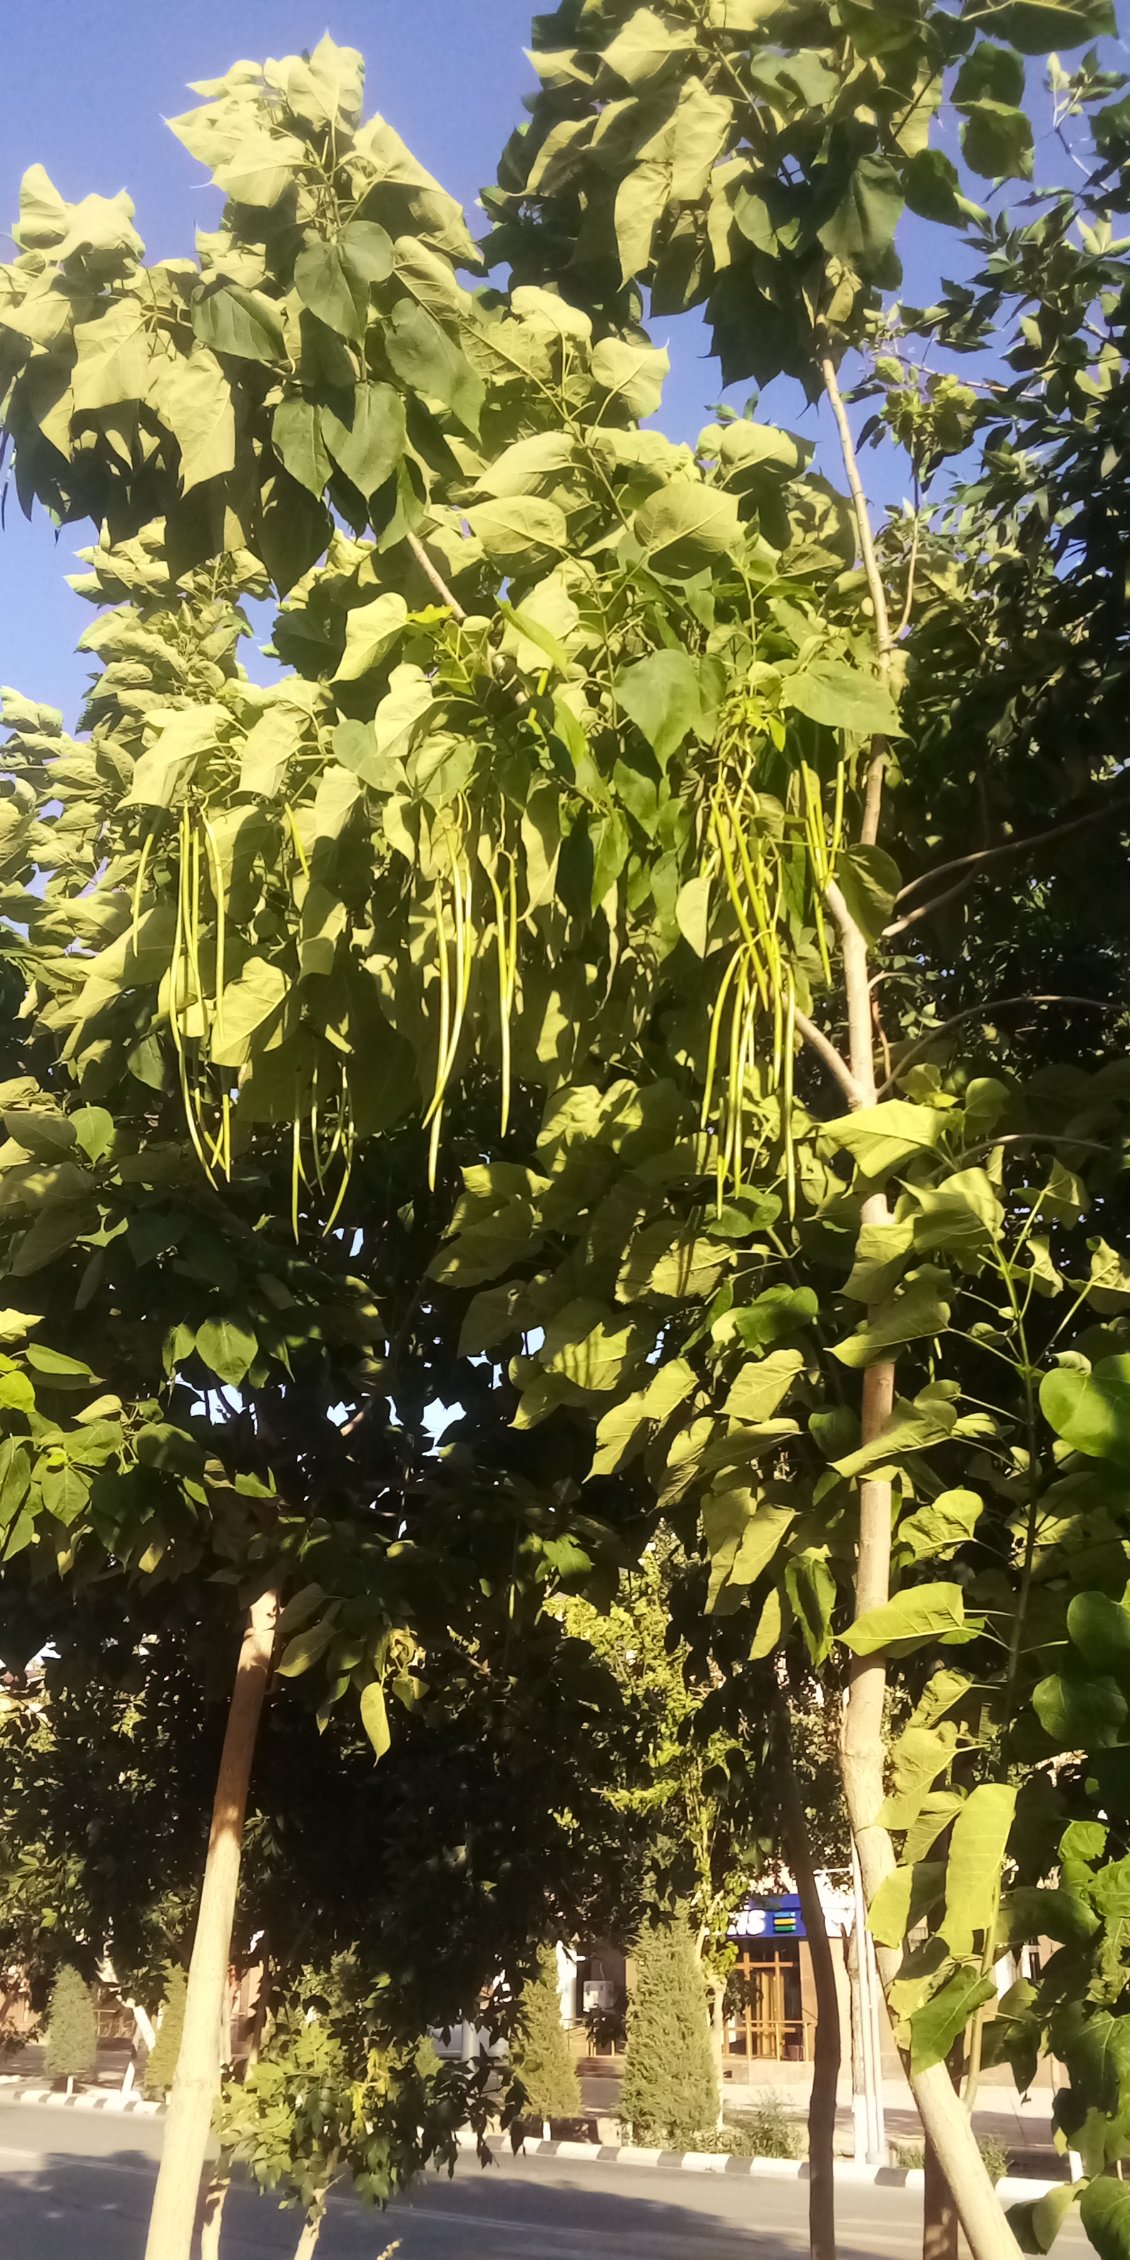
582,777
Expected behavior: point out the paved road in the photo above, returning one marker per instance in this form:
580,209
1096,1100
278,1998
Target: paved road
75,2187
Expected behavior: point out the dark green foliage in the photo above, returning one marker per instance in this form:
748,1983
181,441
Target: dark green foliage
160,2070
72,2028
670,2090
540,2051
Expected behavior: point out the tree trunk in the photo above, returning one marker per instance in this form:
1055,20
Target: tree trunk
196,2083
939,2213
212,2226
311,2231
826,2058
718,2043
863,1742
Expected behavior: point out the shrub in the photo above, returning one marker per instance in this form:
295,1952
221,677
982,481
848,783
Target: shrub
539,2052
670,2088
161,2065
72,2028
766,2131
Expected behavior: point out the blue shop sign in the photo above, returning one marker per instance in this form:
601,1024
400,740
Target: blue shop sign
769,1918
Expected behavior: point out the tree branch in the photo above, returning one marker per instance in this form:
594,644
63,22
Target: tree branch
984,1012
867,551
446,596
972,863
834,1061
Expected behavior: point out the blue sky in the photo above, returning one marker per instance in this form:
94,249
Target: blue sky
95,82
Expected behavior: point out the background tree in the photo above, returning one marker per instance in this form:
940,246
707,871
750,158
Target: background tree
72,2029
539,2049
160,2069
669,2092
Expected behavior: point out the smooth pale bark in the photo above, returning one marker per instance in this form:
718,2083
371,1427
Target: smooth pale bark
863,1741
826,2056
212,2227
307,2242
197,2080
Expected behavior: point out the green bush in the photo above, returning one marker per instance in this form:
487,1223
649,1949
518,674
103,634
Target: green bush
72,2028
670,2089
539,2052
161,2065
766,2131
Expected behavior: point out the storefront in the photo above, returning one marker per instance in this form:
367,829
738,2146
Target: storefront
769,2012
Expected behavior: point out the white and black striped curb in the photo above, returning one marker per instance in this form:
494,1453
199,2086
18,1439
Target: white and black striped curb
1010,2190
108,2099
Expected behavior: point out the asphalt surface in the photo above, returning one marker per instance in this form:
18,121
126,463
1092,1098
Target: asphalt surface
77,2187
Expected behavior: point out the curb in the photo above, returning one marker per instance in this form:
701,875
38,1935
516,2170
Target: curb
1010,2190
108,2099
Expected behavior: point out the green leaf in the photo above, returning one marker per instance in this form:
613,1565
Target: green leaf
59,1371
882,1253
305,1649
262,167
646,48
374,1717
692,913
242,322
368,444
268,750
869,881
370,633
425,357
686,526
246,1006
296,435
949,1521
664,698
918,1614
881,1139
978,1844
632,372
193,397
1079,1714
517,531
861,231
228,1349
1100,1628
94,1129
763,1385
112,362
366,252
328,290
168,763
1029,1911
904,1899
841,697
996,141
989,71
921,1311
1104,2211
1091,1411
1037,2222
941,2021
1038,26
65,1489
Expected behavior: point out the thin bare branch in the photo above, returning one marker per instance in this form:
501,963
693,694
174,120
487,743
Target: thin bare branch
883,636
834,1061
926,1042
446,596
980,856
